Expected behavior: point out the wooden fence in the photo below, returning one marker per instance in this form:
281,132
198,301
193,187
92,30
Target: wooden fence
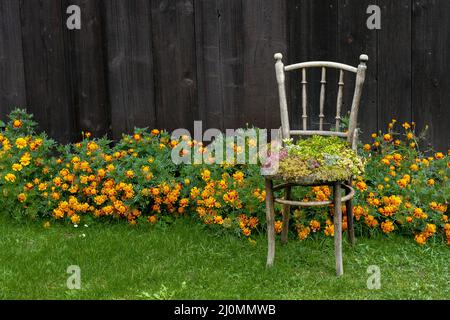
166,63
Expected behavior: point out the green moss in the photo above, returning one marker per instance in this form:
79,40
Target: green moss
319,159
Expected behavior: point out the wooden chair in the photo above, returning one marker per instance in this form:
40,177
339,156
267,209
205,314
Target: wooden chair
350,135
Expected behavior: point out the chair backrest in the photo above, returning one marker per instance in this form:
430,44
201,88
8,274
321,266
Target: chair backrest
360,72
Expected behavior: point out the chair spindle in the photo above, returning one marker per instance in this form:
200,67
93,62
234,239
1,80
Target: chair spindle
323,83
304,99
339,99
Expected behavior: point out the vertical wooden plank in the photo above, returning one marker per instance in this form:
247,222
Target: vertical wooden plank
174,48
394,62
431,82
208,63
129,58
264,28
85,52
12,78
219,34
354,39
46,68
230,13
312,35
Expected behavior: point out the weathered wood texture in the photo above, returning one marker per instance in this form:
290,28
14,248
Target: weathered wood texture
166,63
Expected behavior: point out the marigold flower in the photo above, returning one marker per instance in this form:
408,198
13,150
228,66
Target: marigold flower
152,219
278,226
246,232
17,123
206,175
315,225
431,182
387,227
362,186
155,132
420,239
21,143
75,219
10,177
21,197
387,137
439,155
17,167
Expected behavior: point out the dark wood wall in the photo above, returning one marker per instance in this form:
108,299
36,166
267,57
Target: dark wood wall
166,63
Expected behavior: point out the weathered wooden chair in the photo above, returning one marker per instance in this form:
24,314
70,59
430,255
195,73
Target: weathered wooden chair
350,135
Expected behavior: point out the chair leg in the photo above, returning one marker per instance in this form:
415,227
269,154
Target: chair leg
338,228
270,217
286,214
350,226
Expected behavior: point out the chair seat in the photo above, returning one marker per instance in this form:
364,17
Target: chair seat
312,161
309,180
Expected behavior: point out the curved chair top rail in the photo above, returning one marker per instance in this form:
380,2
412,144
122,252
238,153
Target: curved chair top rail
318,64
359,71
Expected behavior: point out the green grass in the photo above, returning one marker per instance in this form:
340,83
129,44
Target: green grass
185,261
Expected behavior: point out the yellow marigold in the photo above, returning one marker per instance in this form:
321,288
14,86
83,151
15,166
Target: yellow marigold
75,219
278,226
238,176
409,135
129,174
246,232
303,232
218,220
206,175
430,229
92,146
387,137
402,183
430,182
21,143
17,123
362,186
414,167
184,202
439,155
371,221
17,167
420,238
409,219
10,177
374,135
155,132
367,147
442,208
25,159
152,219
315,225
21,197
387,227
329,230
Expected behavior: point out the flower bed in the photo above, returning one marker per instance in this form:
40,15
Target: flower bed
402,190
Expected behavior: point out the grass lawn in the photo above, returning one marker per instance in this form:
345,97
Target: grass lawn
185,261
